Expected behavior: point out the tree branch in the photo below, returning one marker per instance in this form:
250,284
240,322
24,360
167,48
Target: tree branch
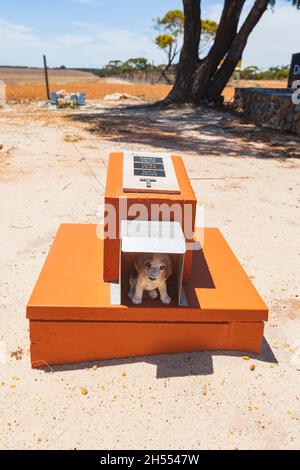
224,38
227,30
237,48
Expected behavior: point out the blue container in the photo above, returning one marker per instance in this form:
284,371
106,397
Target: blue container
81,99
53,97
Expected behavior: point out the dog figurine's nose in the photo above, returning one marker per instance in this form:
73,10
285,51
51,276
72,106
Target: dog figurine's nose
153,274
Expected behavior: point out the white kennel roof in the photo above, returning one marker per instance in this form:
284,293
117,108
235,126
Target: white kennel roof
152,237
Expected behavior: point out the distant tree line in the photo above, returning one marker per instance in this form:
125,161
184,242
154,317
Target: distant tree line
18,67
140,69
137,69
273,73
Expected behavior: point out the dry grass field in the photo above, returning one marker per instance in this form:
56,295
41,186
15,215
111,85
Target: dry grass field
94,91
28,84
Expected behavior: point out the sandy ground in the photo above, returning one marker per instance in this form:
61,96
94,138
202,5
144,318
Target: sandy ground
248,181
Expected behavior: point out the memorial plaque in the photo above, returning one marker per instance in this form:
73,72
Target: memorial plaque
149,167
149,173
294,70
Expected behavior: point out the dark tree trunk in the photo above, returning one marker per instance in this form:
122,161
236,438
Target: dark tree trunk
200,80
189,57
225,35
223,75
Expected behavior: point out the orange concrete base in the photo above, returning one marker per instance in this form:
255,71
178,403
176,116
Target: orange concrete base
71,319
71,342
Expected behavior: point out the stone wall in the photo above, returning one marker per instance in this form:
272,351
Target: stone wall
269,107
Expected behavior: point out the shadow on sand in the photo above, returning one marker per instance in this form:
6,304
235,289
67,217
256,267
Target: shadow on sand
175,365
205,132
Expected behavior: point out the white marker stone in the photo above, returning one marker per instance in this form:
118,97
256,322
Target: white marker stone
149,172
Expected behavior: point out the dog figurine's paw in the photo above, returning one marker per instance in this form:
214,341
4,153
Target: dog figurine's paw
153,294
166,299
130,294
136,299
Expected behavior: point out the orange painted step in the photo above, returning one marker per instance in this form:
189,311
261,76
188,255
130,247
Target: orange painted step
57,343
72,320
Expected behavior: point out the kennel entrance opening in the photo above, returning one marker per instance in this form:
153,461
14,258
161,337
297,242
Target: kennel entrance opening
150,237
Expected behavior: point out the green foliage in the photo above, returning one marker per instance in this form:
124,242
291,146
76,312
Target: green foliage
273,73
295,3
113,67
136,65
139,64
171,28
169,45
172,23
209,27
164,41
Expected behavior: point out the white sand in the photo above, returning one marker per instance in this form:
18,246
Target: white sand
200,401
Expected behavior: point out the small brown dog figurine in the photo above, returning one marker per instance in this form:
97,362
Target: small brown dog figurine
152,272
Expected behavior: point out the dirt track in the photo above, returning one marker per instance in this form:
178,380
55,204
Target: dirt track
248,181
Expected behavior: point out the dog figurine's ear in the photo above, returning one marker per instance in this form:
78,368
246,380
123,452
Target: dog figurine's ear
139,264
169,268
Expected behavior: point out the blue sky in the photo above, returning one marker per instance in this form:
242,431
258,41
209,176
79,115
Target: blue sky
88,33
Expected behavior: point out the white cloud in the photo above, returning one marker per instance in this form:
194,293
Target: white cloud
104,44
15,34
86,44
92,3
110,43
20,46
70,40
83,2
